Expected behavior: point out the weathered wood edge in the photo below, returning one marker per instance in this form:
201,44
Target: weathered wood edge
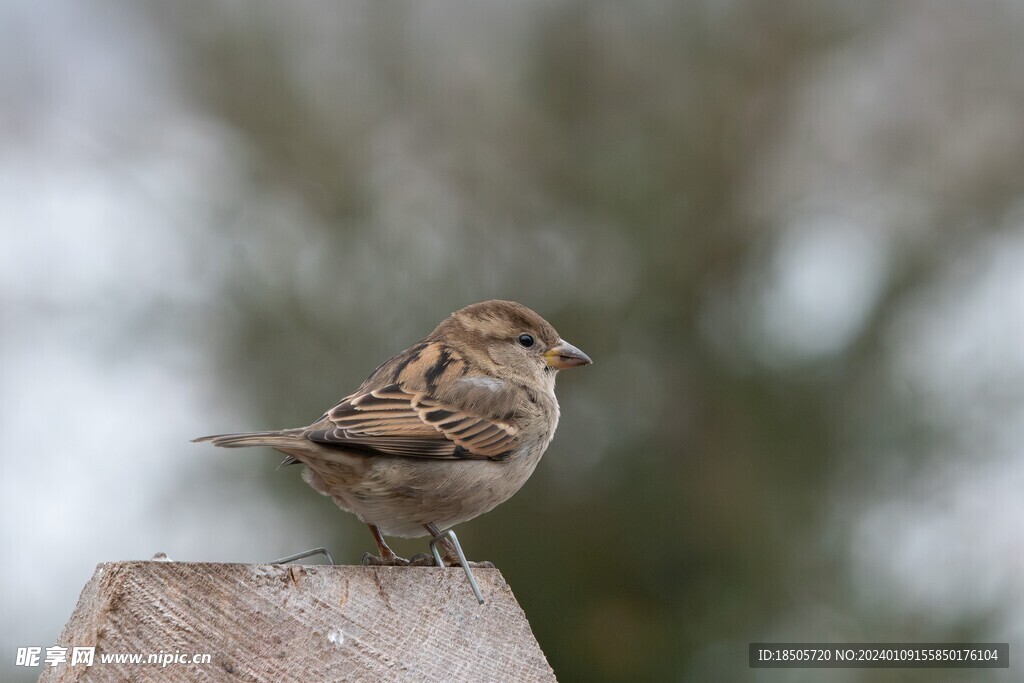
120,593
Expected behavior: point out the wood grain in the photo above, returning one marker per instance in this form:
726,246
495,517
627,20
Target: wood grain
301,623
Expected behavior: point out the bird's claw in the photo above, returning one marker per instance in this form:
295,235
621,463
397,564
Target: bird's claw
425,560
375,561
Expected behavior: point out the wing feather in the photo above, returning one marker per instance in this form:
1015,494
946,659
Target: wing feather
394,420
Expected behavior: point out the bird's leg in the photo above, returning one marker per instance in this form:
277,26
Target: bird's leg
451,558
387,555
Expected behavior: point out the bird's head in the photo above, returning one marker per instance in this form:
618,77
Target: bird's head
510,339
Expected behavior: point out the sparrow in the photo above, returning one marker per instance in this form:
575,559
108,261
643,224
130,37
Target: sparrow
440,433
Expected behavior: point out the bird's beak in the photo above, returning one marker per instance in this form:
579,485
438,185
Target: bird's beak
565,355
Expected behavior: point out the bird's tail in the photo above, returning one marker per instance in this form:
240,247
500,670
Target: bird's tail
274,439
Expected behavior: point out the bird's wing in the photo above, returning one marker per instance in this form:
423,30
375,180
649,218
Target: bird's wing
395,420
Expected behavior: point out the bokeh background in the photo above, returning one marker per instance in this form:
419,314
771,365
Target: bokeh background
790,234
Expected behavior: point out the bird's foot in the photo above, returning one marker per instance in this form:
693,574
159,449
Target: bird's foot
385,561
425,560
451,558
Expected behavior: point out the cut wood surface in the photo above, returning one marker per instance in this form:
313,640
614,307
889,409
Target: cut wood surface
300,623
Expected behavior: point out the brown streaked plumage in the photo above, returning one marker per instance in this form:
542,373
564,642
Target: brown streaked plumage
441,432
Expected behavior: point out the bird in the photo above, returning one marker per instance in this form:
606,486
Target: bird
439,433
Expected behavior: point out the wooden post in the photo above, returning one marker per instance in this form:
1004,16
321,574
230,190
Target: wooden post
299,623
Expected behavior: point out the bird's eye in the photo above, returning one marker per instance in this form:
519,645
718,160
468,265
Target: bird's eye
526,340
